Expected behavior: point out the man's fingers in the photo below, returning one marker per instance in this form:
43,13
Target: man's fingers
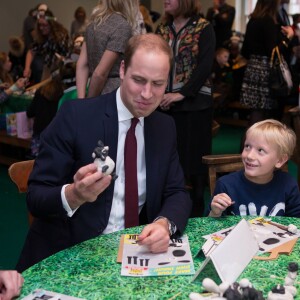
84,171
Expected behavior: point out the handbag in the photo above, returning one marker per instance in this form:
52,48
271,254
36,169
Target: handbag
280,82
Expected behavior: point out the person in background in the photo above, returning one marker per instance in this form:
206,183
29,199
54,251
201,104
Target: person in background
7,85
6,90
29,24
188,98
48,99
222,77
68,75
111,26
17,56
283,17
221,15
147,18
292,55
76,47
221,65
295,25
79,23
261,188
296,44
238,65
5,68
51,38
10,284
263,33
72,200
29,33
288,53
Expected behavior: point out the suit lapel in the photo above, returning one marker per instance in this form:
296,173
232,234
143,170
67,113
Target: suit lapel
151,149
111,131
110,125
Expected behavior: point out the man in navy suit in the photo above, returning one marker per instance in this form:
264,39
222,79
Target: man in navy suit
72,201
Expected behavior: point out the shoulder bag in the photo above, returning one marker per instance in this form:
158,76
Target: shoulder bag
280,82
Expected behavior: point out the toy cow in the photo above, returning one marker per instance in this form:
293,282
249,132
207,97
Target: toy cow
104,163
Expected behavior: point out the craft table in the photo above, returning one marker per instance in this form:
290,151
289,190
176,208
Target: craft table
89,270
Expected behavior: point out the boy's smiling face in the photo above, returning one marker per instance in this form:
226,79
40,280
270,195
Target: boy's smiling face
260,158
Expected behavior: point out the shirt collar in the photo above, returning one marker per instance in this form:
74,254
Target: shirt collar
123,113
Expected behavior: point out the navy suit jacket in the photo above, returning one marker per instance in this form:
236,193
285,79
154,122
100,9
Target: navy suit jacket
67,145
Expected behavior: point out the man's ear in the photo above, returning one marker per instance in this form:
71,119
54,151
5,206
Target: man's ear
281,161
122,69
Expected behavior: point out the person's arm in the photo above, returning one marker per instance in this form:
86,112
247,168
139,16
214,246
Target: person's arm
82,72
57,163
10,284
272,37
100,74
17,86
174,202
29,58
72,30
203,70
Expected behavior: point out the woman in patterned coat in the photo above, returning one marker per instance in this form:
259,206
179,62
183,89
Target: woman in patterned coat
188,97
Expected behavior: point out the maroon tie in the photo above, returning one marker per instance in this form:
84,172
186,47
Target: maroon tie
131,186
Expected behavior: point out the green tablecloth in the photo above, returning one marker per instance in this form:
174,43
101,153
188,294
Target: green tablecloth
15,103
89,270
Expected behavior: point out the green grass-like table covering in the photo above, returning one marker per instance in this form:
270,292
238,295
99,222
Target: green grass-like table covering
89,270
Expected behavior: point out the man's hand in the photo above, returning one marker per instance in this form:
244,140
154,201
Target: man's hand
156,236
88,184
10,284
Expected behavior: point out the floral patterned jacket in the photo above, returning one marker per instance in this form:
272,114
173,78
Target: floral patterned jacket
193,47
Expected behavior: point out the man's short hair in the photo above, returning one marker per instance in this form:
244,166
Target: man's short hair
151,42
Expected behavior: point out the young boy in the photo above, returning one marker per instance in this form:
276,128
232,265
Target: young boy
260,188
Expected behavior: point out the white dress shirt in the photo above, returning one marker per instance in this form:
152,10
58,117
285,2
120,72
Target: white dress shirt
116,219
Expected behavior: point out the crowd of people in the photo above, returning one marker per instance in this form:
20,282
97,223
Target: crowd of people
163,82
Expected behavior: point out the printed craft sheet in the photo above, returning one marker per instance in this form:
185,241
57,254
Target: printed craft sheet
138,261
270,236
267,235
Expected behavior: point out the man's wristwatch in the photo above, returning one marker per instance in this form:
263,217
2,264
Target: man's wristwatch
171,225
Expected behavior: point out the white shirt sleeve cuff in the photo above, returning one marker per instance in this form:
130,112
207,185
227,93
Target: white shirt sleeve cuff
65,203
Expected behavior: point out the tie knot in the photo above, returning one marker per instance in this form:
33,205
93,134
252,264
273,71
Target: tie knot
134,121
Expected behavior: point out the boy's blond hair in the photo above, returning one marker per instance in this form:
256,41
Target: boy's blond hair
275,133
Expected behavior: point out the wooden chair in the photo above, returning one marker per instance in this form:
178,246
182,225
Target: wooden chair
224,163
19,173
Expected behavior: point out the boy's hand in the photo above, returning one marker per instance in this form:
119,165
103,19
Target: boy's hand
219,203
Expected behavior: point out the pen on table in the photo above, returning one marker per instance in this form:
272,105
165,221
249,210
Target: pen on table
291,228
